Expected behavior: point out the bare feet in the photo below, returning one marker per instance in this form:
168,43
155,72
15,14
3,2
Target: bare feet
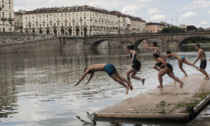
185,75
143,82
131,87
181,84
127,89
160,86
207,78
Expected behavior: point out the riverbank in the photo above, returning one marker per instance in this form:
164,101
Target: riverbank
170,103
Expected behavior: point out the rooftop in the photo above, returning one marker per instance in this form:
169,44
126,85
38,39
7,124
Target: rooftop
80,8
154,23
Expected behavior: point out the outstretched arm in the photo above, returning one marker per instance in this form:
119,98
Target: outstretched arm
199,54
83,76
90,78
166,56
146,46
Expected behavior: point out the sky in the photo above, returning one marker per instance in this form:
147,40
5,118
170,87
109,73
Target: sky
176,12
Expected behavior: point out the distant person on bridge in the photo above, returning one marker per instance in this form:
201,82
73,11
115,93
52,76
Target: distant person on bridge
135,67
165,68
181,60
156,50
110,70
202,57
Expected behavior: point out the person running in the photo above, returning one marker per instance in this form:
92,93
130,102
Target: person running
202,57
181,60
165,68
135,67
156,50
110,70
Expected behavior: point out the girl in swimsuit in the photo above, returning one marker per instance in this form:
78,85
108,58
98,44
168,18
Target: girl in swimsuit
181,60
165,68
135,67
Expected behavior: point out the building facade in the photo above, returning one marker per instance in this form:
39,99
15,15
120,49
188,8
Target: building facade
7,16
79,21
18,21
154,27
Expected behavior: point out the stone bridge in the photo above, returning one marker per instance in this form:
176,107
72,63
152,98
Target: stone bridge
92,42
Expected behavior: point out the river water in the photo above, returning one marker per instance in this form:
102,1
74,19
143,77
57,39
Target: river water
36,89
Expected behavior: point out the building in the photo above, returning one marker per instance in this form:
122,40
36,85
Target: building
18,21
128,24
7,16
183,26
80,21
154,27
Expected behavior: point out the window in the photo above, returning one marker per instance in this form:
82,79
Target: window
3,14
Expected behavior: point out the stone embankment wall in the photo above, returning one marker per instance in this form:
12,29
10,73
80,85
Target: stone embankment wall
31,46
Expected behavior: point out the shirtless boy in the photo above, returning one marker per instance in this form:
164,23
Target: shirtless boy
110,70
202,57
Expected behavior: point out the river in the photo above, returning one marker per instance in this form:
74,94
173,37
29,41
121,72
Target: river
36,89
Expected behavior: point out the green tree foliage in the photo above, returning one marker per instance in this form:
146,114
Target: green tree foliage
173,29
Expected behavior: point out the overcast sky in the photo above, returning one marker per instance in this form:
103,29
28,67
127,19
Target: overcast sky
189,12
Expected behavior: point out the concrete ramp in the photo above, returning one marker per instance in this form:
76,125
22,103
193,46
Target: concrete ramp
170,103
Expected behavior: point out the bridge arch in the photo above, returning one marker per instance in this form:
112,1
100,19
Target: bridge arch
124,44
95,44
187,39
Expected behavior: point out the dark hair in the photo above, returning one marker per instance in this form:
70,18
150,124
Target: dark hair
168,52
198,45
130,47
156,55
154,43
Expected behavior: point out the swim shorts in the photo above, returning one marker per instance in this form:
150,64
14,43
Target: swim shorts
203,64
110,69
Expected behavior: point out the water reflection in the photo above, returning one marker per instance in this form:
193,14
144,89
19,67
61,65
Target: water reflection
37,88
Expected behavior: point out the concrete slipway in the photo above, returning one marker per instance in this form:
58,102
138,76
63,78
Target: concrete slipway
170,103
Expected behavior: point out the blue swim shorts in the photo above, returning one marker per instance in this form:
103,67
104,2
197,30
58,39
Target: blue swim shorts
110,69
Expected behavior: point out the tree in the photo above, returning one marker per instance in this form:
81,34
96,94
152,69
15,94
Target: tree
191,28
172,29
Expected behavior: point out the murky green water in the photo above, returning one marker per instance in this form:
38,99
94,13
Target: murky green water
36,89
